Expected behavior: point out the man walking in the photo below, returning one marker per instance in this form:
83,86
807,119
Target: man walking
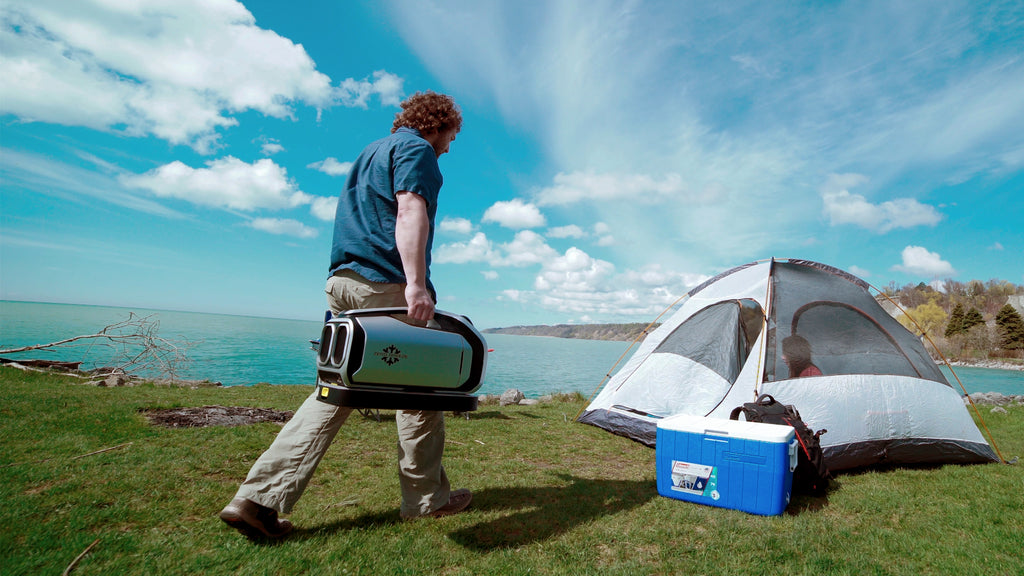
380,257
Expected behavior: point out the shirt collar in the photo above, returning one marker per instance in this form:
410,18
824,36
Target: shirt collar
409,130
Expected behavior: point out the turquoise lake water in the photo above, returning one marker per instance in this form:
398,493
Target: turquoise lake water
243,350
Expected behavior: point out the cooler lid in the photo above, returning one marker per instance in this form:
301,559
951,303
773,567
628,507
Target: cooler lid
729,428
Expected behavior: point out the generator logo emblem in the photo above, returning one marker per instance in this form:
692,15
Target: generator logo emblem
390,355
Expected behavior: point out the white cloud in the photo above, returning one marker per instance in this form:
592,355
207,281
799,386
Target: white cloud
754,110
324,208
178,115
845,208
576,283
1012,158
331,166
384,84
754,66
285,227
842,207
514,214
224,183
175,69
974,121
859,272
526,248
49,243
570,231
579,284
574,272
592,187
456,225
270,147
511,294
838,182
477,249
996,246
658,277
71,182
920,262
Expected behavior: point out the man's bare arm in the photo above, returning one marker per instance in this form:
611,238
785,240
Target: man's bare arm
411,231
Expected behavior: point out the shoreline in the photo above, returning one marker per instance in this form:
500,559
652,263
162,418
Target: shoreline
511,396
989,364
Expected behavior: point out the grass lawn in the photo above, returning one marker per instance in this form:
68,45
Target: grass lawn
551,496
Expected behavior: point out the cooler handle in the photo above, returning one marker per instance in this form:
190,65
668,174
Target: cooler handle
793,454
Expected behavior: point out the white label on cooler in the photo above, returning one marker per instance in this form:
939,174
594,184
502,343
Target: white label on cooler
690,478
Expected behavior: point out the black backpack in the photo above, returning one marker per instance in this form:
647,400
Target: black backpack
811,475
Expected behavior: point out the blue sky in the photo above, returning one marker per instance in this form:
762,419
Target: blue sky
186,154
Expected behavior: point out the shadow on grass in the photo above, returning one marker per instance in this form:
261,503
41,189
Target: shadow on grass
801,503
806,503
377,520
529,514
534,514
488,415
390,415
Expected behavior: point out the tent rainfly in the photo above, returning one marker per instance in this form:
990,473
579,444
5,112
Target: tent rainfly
868,380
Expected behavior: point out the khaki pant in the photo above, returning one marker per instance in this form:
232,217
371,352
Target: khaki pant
281,474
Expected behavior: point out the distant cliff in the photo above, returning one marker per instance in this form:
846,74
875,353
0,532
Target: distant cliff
617,332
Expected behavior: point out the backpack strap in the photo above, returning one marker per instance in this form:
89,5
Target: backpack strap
803,445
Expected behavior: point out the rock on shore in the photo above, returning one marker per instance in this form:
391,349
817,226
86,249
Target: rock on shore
995,398
991,364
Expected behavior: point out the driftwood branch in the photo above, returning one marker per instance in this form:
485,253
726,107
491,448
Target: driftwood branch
131,346
74,458
78,559
103,450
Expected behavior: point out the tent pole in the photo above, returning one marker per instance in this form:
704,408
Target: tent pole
769,309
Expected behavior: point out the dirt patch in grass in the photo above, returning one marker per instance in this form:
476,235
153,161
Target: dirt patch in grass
214,416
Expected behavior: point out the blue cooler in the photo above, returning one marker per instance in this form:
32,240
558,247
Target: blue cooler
735,464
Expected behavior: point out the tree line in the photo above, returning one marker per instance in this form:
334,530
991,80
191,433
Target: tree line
964,320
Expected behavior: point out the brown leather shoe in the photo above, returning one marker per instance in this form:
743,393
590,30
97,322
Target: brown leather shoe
255,521
458,500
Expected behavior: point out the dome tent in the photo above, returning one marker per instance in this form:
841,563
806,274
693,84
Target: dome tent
879,394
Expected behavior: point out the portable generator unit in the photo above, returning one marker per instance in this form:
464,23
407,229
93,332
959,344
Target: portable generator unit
375,358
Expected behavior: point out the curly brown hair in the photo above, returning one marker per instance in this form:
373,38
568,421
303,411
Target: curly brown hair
429,112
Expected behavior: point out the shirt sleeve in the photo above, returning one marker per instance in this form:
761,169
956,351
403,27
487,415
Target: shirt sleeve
416,170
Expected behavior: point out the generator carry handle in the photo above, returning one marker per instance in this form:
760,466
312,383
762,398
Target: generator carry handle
440,316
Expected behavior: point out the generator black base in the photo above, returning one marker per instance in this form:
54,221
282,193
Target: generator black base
394,399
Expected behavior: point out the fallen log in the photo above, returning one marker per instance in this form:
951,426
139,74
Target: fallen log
49,364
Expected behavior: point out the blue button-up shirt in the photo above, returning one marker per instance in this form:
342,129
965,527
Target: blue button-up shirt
364,225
